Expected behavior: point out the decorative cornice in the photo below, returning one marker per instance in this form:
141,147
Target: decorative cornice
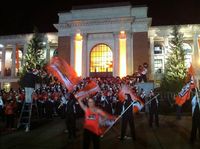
90,22
24,38
9,79
141,25
161,31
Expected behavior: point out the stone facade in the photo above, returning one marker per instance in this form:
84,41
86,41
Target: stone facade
64,43
103,26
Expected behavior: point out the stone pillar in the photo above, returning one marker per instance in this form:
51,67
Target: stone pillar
13,67
151,68
47,52
129,53
24,53
140,49
116,54
85,58
196,58
64,50
166,48
72,52
3,61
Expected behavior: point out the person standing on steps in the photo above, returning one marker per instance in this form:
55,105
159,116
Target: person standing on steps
28,81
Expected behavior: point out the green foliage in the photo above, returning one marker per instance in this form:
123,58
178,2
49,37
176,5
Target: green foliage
175,69
35,51
34,57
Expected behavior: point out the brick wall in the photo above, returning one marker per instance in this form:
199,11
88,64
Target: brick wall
141,49
64,48
15,85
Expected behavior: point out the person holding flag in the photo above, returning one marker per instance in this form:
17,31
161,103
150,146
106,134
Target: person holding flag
184,94
92,131
127,117
70,111
153,109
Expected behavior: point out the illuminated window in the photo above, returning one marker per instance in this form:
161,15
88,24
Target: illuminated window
6,87
8,62
158,65
78,54
158,49
18,59
101,59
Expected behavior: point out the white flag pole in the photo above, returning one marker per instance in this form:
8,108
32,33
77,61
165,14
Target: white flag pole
124,112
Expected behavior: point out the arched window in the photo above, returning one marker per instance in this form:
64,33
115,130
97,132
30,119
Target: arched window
101,59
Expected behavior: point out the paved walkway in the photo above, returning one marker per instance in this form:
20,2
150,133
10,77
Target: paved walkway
172,134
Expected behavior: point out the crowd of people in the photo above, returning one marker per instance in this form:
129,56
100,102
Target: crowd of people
52,99
55,100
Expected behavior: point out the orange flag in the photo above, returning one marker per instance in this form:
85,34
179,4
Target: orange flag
191,71
90,89
137,102
65,74
184,94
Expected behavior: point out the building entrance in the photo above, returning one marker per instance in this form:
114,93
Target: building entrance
101,61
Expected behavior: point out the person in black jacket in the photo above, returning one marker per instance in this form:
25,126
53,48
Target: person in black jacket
71,116
153,110
127,117
29,80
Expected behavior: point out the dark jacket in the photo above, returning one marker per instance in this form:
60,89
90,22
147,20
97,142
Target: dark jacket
71,107
125,104
29,80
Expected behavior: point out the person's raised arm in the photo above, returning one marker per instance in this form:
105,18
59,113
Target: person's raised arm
80,101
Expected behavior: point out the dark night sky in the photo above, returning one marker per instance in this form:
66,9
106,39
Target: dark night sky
20,17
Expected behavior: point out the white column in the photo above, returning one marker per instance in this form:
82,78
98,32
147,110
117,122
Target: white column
47,52
129,54
116,54
72,51
13,67
3,61
166,50
87,54
195,58
85,58
24,53
151,75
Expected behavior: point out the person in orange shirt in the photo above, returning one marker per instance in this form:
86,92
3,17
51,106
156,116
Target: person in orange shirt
92,130
9,112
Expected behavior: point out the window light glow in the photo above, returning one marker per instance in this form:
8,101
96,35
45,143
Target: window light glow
122,54
101,59
78,54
